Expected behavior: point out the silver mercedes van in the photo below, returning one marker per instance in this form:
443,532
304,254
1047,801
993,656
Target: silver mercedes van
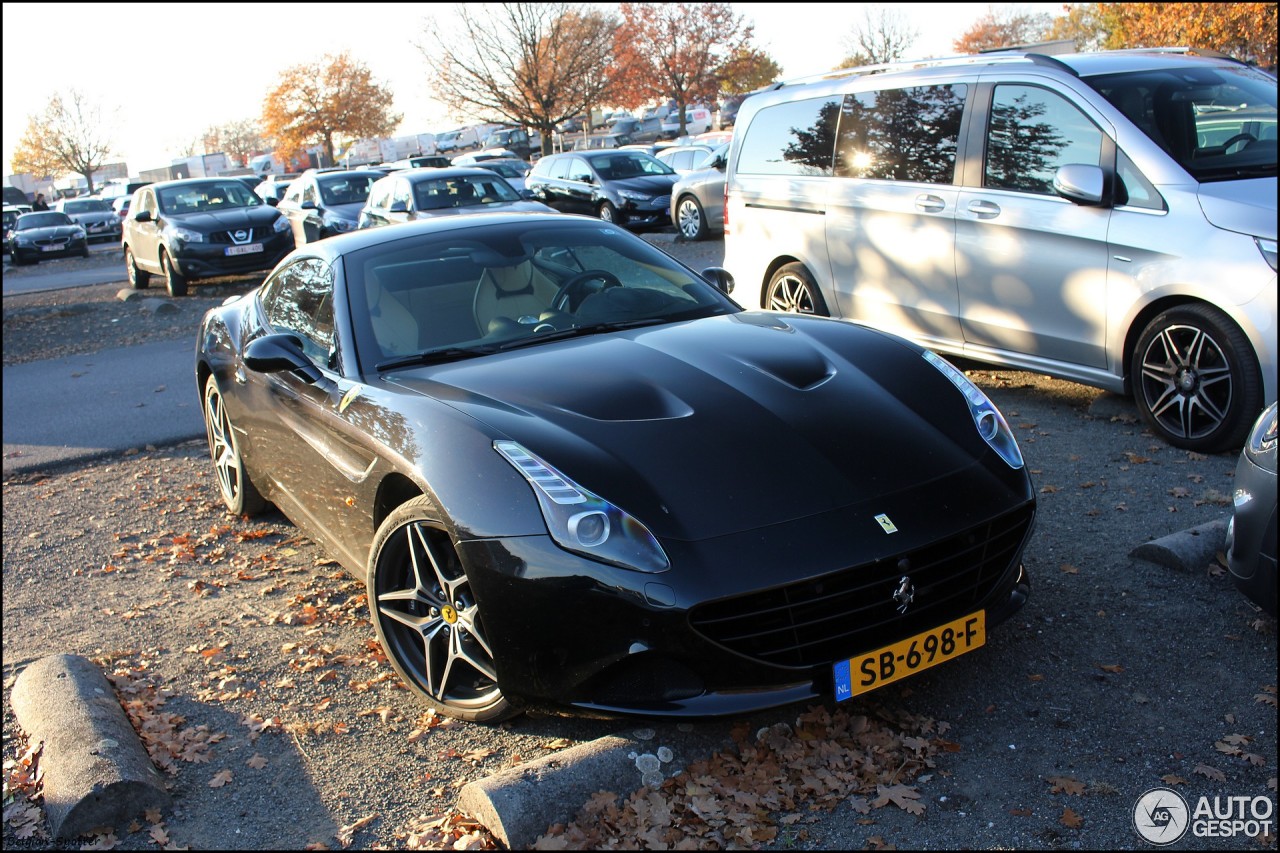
1108,218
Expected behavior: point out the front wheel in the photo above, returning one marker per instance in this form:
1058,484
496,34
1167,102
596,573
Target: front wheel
239,494
175,282
1196,379
138,279
793,289
609,213
427,618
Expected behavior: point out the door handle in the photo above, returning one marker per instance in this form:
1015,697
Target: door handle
930,204
984,209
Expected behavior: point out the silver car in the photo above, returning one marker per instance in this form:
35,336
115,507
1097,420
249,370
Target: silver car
94,215
1251,534
697,199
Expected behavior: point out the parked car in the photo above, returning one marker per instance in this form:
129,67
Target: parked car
319,204
696,120
250,181
683,159
514,171
599,142
697,200
11,214
547,415
45,234
477,157
630,188
729,109
272,188
1081,230
120,206
638,130
1251,533
429,193
94,215
200,227
14,196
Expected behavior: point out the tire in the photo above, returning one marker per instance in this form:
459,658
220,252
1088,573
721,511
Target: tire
239,495
138,279
691,221
1196,379
608,213
792,289
427,619
84,253
174,281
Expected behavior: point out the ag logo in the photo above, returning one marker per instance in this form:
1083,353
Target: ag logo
1161,816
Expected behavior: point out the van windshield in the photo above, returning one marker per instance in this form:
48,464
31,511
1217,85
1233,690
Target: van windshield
1219,124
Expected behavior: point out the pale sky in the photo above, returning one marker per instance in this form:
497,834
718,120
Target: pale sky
170,70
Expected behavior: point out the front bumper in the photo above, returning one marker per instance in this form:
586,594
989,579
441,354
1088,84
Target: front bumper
568,631
1251,536
651,213
72,248
203,260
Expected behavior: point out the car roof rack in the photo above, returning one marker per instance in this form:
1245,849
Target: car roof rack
1188,51
988,58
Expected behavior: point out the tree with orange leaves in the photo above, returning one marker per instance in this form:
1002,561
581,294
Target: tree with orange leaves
316,102
675,50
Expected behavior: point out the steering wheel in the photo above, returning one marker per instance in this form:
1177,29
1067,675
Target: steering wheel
565,300
1247,138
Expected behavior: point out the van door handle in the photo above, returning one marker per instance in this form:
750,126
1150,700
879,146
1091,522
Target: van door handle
984,209
930,204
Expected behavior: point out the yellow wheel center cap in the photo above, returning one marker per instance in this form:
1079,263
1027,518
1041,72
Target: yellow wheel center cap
449,614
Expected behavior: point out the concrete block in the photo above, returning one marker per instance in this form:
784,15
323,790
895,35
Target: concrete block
96,770
1192,549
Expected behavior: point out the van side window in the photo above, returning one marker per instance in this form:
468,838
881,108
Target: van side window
797,138
1134,190
906,134
1032,132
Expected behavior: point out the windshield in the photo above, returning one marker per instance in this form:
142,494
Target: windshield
47,219
474,291
632,164
505,169
439,193
346,189
206,197
1219,123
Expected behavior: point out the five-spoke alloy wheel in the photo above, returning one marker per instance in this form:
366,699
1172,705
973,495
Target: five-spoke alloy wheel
239,494
1195,379
427,617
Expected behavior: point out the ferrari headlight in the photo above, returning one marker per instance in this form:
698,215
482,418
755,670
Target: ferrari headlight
585,523
986,417
1262,437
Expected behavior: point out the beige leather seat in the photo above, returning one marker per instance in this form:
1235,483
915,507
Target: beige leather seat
512,292
394,327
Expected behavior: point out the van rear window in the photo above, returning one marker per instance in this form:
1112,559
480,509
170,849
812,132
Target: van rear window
907,134
796,138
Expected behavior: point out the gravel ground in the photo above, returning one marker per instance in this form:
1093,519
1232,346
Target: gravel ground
249,657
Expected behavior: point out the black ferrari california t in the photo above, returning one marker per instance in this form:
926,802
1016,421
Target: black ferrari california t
573,472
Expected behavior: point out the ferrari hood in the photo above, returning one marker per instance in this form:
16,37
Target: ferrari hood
724,424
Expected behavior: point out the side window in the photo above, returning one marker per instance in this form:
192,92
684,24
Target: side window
299,299
294,193
403,193
1135,190
147,201
579,170
559,169
1031,133
380,195
906,134
309,193
798,138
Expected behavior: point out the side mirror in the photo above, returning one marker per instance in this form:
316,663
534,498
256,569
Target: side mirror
308,205
143,216
1080,183
272,200
718,162
274,353
720,278
398,207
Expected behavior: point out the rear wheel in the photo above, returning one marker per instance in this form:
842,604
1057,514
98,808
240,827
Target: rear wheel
793,289
239,494
427,618
1196,379
175,282
138,279
690,219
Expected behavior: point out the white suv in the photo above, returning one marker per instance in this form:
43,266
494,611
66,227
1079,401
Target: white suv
1109,218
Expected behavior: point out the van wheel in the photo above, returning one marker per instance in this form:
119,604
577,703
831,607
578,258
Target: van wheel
1196,380
793,289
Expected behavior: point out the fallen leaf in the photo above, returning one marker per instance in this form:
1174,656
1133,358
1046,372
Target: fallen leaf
220,778
1066,785
1111,667
902,796
1210,772
1173,779
1068,569
257,762
1070,819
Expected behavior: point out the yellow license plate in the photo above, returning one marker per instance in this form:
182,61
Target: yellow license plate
907,657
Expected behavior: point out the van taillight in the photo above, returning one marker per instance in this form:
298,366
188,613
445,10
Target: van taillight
726,208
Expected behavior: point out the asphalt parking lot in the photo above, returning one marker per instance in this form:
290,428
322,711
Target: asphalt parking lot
247,655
